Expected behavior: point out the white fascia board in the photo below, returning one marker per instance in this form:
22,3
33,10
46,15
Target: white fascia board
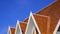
28,22
56,29
36,24
9,30
18,25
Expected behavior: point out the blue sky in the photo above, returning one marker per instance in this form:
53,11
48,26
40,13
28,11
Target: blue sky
13,10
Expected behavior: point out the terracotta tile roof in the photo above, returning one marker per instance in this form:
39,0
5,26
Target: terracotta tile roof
43,23
58,0
12,30
23,26
53,11
46,23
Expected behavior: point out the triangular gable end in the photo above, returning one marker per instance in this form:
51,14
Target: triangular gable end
31,24
9,31
18,28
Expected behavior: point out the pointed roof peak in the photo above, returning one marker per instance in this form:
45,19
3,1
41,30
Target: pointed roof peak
31,13
18,21
9,27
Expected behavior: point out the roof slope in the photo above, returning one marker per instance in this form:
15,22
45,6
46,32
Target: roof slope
12,30
48,22
43,23
23,26
54,11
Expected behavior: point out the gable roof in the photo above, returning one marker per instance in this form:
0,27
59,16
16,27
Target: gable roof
12,30
51,15
53,11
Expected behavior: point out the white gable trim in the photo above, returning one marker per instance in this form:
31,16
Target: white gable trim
9,30
55,31
31,15
18,25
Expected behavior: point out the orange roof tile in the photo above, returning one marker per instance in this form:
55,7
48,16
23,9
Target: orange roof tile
43,23
12,30
54,11
23,26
